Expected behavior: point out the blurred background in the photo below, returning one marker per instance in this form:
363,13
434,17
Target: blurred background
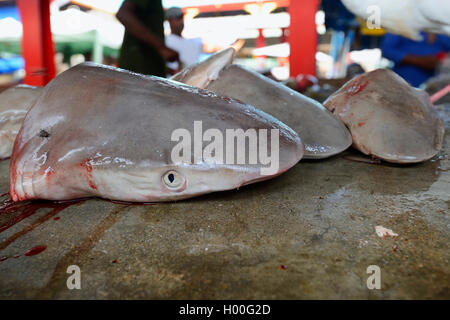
312,46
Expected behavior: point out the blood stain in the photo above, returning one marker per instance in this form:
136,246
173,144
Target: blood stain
357,88
35,250
88,166
25,210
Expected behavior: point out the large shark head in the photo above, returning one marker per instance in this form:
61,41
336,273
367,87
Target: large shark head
124,136
388,119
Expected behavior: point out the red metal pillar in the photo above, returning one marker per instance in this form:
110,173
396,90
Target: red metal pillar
303,37
284,37
261,40
37,43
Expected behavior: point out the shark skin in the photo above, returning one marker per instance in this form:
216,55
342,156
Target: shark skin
321,132
110,136
14,105
388,119
201,74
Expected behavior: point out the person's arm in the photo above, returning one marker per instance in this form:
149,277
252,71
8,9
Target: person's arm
429,63
135,27
393,50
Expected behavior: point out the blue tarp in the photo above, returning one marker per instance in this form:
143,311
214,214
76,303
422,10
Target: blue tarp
10,65
9,11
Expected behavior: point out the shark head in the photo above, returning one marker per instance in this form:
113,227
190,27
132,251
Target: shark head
123,136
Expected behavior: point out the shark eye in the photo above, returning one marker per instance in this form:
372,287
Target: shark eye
173,180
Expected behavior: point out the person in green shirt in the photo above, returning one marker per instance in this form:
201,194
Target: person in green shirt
143,49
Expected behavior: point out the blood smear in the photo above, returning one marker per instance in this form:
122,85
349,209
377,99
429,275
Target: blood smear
35,250
354,90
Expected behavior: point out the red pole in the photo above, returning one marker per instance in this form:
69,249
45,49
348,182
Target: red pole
261,40
37,43
303,37
284,38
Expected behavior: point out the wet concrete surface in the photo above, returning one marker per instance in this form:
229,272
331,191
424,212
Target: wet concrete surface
308,234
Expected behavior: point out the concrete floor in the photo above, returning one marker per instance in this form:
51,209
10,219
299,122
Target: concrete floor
305,235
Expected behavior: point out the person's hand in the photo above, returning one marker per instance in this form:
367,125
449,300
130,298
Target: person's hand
168,54
429,63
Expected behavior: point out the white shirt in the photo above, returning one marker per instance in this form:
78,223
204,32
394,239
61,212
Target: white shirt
189,50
